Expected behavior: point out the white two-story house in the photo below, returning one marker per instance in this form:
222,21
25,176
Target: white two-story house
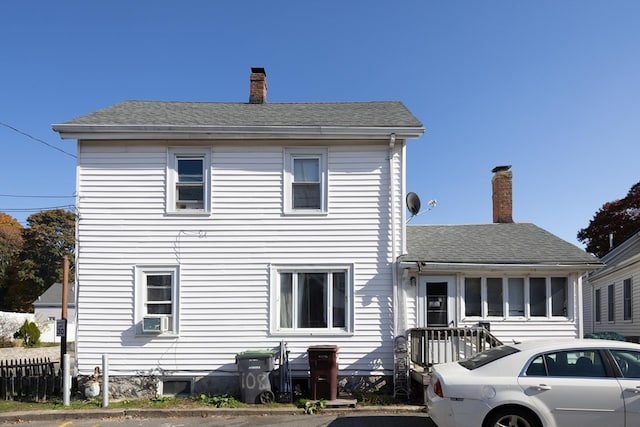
208,229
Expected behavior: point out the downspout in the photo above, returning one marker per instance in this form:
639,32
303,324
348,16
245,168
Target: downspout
579,311
392,192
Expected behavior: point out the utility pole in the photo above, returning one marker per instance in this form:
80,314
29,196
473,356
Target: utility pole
65,298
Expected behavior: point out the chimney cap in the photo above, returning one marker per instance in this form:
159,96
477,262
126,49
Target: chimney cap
259,70
501,168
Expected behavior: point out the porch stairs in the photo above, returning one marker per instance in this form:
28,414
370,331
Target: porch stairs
431,346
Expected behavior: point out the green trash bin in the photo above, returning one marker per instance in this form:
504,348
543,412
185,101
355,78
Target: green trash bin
255,369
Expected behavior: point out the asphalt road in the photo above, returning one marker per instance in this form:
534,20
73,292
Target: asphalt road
318,420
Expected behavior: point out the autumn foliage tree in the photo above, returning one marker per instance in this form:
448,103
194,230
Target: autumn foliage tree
620,218
48,237
10,241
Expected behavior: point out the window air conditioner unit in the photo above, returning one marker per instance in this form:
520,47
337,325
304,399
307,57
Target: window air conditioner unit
155,325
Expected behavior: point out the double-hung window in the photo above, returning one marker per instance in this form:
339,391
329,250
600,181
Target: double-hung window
312,300
188,178
628,311
305,181
611,304
157,299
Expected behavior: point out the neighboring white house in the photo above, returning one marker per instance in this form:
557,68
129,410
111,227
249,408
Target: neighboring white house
208,229
612,295
516,278
48,308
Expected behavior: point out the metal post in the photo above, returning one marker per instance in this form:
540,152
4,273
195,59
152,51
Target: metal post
105,380
66,384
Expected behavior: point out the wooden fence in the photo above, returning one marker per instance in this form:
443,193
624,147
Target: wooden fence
31,379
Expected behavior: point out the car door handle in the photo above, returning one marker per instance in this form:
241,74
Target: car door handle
542,387
633,390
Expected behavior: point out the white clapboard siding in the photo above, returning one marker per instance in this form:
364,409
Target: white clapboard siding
225,257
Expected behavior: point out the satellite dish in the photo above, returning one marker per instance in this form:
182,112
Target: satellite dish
413,203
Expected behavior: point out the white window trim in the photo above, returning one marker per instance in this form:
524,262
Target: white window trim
274,310
172,177
289,155
140,273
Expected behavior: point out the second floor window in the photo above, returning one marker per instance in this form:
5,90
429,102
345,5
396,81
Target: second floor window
306,187
305,181
188,181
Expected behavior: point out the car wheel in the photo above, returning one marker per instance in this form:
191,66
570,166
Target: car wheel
512,417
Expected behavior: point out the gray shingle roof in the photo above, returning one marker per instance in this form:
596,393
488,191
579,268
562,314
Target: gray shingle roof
512,243
162,113
53,297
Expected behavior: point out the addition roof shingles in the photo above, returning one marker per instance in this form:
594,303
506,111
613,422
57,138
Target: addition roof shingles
53,296
169,113
485,244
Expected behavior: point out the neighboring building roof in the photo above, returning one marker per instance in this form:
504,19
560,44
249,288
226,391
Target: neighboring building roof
623,255
52,297
490,244
205,117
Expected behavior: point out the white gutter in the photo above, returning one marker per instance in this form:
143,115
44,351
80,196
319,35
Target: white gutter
100,132
495,267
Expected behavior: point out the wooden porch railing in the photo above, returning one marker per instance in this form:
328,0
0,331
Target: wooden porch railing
430,346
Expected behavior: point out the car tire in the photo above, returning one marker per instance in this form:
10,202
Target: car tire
512,417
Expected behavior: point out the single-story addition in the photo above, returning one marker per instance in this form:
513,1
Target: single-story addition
516,279
612,302
209,229
48,308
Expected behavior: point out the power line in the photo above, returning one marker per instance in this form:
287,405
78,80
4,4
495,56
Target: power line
36,197
71,207
37,140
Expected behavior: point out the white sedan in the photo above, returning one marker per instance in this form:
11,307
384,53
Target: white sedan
565,383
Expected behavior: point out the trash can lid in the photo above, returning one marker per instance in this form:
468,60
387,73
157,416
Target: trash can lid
253,354
323,348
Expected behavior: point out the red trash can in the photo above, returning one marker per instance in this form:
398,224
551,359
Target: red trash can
323,365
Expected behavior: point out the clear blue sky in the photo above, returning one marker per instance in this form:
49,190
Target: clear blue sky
551,87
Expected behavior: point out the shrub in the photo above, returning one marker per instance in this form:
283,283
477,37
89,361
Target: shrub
220,401
606,336
30,333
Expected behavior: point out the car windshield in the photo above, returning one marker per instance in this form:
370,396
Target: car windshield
488,356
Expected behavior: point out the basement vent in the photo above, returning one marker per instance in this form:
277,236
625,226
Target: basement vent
176,387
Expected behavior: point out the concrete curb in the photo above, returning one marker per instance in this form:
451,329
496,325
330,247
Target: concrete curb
75,414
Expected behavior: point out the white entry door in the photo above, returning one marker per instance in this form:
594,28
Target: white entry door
436,301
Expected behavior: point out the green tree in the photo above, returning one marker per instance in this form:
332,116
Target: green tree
50,236
620,218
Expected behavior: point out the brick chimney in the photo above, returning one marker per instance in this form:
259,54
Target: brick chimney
258,88
502,194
